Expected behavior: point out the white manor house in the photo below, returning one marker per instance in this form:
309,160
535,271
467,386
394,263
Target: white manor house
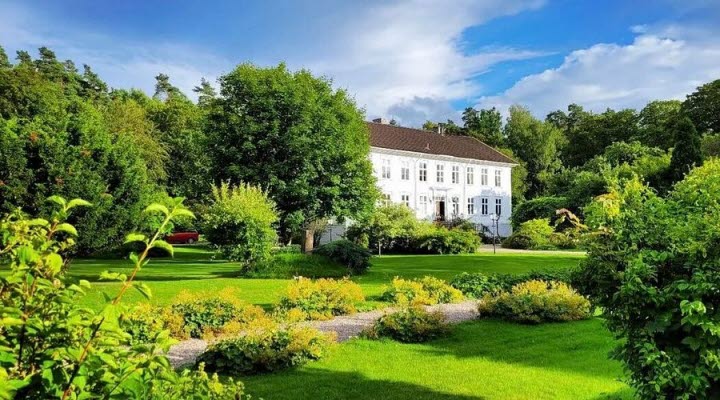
439,176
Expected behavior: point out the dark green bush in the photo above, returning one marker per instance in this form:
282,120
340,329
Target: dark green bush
652,267
265,350
448,241
478,284
533,234
355,257
410,325
537,208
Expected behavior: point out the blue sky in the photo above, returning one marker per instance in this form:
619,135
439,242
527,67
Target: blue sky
408,59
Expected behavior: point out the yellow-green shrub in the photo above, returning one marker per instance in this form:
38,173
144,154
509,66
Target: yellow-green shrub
410,325
425,291
266,350
535,302
320,299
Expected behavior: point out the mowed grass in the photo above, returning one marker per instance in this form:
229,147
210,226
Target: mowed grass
193,269
480,360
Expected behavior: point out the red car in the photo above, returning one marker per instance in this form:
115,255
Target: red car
188,237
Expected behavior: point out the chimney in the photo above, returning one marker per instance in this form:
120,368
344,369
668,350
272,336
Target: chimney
383,121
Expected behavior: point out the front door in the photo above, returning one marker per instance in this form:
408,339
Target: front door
439,209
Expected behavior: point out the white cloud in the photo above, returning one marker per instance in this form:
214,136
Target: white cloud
407,57
661,63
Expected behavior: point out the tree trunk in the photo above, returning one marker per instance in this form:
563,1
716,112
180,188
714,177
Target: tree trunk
309,243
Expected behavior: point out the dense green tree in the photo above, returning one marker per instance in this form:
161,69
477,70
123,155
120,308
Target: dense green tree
294,135
687,152
703,107
24,58
655,121
485,125
205,92
711,145
91,86
536,143
4,60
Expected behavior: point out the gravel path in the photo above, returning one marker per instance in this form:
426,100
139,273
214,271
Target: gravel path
346,327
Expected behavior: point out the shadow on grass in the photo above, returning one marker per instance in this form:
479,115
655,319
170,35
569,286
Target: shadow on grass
329,385
580,347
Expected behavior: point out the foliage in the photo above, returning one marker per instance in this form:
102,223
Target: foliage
484,125
289,265
535,142
710,145
345,252
441,240
654,122
533,234
52,348
240,223
536,301
307,299
539,207
703,107
410,325
477,284
299,138
388,228
652,268
423,291
687,152
264,350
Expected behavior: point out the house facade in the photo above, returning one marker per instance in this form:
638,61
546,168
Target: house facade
439,177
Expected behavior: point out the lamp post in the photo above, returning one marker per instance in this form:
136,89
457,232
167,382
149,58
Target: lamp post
495,217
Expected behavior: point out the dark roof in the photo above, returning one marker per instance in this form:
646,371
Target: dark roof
421,141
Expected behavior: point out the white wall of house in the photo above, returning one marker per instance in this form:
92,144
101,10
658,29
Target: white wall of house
471,189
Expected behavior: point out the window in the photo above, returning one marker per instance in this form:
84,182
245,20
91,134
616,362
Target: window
498,178
385,199
471,206
470,175
455,176
484,176
405,199
422,172
498,207
440,173
405,171
386,169
423,200
484,206
455,206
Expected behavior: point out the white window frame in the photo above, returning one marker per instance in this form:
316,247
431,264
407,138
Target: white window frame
440,173
498,178
423,201
455,174
470,175
498,206
422,172
455,201
385,199
386,169
483,176
471,206
405,171
405,199
484,206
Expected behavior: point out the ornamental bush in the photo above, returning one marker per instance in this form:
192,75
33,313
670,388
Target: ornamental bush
425,291
265,350
355,257
441,240
533,234
410,325
536,301
477,284
239,223
652,267
51,347
320,299
537,208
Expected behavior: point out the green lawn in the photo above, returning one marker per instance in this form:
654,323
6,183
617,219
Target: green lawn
192,268
480,360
